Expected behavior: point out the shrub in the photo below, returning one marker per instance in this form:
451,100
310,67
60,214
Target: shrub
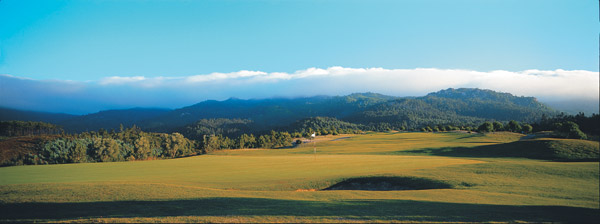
486,127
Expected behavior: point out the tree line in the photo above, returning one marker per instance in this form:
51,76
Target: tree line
511,126
272,140
28,128
130,144
587,124
134,144
563,126
103,146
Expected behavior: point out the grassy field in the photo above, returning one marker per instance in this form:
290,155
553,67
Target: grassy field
285,185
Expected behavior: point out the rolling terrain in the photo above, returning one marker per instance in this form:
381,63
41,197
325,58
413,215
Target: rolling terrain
288,185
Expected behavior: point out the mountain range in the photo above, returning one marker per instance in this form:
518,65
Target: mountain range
464,106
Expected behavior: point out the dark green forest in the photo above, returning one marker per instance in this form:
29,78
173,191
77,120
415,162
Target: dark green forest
373,111
363,111
35,145
24,128
102,146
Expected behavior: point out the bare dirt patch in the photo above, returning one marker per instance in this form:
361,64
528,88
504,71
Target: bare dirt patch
307,190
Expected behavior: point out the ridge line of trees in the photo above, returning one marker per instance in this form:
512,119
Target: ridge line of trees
134,144
28,128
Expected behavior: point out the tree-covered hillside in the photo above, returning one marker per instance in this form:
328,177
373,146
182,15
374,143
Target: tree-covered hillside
323,125
218,126
371,111
266,113
451,106
488,104
110,119
408,114
7,114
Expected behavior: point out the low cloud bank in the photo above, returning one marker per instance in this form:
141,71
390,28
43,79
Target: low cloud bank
170,92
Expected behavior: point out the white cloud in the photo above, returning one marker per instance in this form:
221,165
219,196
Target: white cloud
547,85
223,76
540,83
118,80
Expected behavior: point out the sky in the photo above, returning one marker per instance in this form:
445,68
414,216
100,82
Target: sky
84,56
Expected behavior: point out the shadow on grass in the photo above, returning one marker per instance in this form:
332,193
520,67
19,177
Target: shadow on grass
364,209
389,183
472,135
531,149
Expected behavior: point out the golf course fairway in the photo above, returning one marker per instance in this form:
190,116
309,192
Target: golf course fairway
287,185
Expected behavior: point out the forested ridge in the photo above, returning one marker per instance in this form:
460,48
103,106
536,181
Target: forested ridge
373,111
110,119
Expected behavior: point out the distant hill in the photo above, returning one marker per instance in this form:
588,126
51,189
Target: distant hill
452,106
408,113
267,113
110,119
365,111
489,104
7,114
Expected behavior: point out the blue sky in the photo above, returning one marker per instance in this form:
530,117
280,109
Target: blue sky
91,42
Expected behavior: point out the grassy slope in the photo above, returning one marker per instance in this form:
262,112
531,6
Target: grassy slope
261,185
567,150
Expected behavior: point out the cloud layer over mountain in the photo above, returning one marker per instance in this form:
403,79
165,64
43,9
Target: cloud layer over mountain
167,91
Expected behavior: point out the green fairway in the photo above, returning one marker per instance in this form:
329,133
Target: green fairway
284,185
